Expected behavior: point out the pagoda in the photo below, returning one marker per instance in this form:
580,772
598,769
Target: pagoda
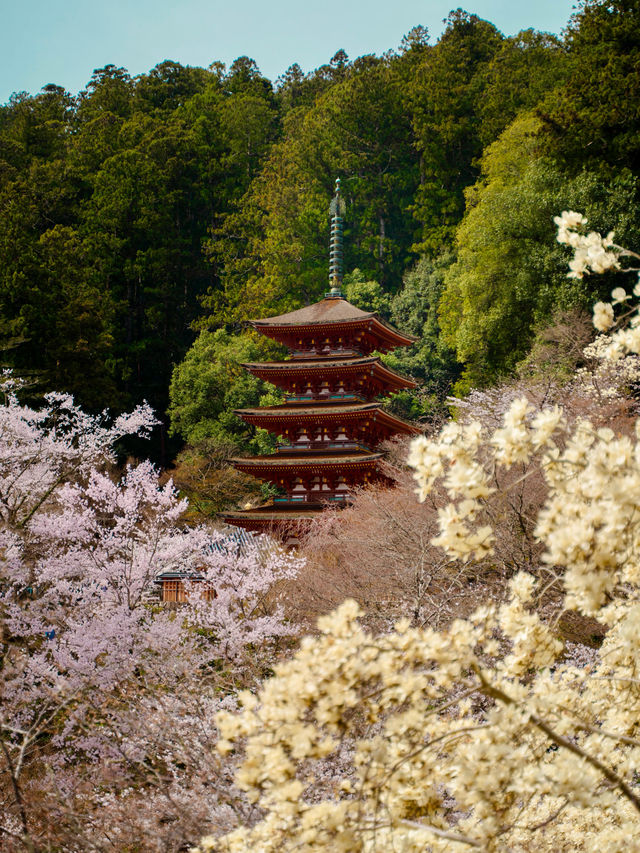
331,423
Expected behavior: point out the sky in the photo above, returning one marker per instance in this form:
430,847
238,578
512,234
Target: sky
43,41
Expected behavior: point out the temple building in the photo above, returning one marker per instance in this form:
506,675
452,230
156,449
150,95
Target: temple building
330,425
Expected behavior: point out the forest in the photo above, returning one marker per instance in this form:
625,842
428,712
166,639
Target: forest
143,220
453,669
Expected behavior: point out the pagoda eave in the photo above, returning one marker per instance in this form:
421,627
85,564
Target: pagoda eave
270,515
265,465
288,524
278,418
311,365
331,313
386,338
272,371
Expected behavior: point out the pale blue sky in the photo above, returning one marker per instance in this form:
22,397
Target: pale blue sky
42,41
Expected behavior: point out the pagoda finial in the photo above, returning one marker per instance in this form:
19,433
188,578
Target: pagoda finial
337,209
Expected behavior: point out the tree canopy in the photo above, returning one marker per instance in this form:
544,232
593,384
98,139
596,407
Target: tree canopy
146,209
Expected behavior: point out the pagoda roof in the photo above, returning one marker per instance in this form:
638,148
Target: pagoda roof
305,462
333,311
330,310
330,365
305,364
271,515
268,520
323,413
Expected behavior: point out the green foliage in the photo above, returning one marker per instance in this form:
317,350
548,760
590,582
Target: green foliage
367,295
169,86
414,309
510,275
105,201
525,69
294,88
51,301
592,119
444,97
461,94
211,382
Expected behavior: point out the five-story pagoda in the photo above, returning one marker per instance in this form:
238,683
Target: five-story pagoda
330,423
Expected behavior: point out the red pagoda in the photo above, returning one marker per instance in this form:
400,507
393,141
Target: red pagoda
331,423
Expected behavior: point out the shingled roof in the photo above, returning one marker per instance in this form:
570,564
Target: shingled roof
306,367
334,412
327,311
335,310
302,461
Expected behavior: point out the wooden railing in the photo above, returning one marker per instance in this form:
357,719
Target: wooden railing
318,446
306,398
313,497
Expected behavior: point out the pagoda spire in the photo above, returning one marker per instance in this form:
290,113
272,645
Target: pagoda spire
337,209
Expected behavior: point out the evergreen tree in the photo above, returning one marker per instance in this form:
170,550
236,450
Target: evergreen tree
444,98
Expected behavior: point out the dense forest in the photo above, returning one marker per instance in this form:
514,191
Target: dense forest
143,220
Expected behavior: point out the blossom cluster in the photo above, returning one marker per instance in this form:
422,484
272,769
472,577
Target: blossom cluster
592,251
625,338
605,378
599,254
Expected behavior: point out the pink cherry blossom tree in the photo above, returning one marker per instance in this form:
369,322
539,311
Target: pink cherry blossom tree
91,661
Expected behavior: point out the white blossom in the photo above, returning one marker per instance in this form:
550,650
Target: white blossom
603,316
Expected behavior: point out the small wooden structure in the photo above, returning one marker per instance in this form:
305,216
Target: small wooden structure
174,587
